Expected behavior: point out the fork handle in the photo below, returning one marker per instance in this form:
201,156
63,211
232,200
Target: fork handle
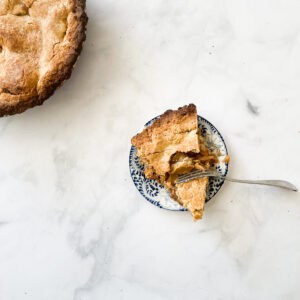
278,183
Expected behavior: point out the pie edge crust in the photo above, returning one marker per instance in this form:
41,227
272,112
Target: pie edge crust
166,117
57,76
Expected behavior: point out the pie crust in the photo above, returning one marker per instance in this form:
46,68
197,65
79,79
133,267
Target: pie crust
173,146
40,41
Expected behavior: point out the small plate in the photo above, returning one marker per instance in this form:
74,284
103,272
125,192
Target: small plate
155,193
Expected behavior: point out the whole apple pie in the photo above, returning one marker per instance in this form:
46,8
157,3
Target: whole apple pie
40,41
173,146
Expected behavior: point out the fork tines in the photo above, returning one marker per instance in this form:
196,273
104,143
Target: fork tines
193,175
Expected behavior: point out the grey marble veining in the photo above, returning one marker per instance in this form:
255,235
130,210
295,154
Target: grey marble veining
73,226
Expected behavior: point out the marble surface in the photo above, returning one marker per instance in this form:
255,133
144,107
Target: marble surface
72,224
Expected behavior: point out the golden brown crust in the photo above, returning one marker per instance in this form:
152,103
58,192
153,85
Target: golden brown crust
174,131
40,41
175,121
192,195
173,146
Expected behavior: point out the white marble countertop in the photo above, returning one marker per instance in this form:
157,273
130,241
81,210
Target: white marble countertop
72,224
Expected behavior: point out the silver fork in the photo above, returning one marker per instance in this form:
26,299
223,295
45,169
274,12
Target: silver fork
200,174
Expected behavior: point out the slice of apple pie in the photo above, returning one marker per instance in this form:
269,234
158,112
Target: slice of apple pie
171,146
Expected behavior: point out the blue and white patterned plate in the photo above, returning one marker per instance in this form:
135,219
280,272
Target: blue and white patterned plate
155,193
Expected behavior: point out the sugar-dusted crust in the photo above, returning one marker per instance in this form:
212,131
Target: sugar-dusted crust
173,146
40,41
174,131
192,195
170,123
